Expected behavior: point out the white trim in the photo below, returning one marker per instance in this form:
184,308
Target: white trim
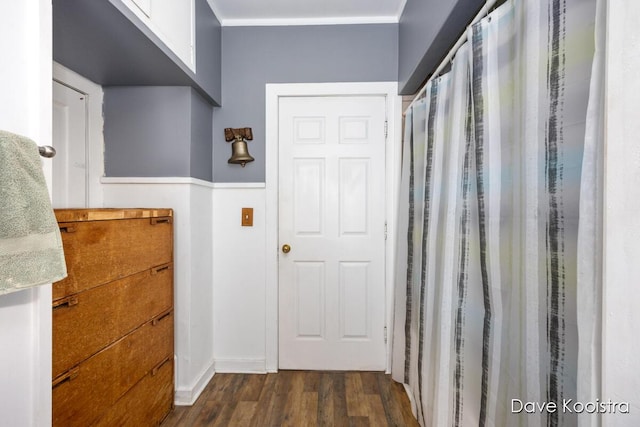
275,22
155,180
94,133
215,10
403,4
248,366
187,397
238,185
329,89
394,118
42,347
42,99
40,114
394,160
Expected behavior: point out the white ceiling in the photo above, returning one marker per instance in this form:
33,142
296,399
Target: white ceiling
306,12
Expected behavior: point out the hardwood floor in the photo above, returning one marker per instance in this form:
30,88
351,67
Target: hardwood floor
298,398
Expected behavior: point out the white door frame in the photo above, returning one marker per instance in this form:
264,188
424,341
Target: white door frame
393,157
94,137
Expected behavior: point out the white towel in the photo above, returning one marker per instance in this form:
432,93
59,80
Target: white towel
30,245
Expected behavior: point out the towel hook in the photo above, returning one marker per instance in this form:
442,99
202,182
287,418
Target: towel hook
47,151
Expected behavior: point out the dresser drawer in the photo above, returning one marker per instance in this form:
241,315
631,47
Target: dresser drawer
99,252
88,321
155,389
86,392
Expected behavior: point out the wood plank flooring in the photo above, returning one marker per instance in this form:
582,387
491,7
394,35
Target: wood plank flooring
298,398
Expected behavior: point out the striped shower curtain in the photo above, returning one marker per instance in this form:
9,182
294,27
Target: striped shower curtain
486,316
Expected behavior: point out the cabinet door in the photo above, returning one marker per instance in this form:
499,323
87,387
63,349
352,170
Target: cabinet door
99,252
173,22
144,6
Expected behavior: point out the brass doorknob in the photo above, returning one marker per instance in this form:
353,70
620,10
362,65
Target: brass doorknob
286,249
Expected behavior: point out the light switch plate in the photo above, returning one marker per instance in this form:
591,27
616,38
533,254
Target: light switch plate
247,217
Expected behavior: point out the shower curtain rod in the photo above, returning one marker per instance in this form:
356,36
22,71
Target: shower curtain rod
484,11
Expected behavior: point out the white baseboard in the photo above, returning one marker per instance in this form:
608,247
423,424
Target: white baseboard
241,366
188,396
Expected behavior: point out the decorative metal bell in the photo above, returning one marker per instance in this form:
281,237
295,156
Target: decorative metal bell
239,151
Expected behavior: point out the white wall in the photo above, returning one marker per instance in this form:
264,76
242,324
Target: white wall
191,200
239,257
200,354
621,269
25,316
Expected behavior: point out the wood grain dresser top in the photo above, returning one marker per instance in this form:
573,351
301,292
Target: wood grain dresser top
104,214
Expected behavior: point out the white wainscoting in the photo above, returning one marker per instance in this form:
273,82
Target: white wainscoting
187,396
239,278
191,200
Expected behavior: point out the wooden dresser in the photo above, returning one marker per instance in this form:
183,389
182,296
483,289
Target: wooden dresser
113,318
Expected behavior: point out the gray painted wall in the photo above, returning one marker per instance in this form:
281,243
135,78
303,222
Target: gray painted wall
427,31
201,138
157,131
105,42
255,56
208,50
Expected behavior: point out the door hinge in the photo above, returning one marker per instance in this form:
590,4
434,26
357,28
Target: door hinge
385,231
386,128
385,334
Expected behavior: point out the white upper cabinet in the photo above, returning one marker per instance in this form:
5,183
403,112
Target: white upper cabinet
173,22
144,5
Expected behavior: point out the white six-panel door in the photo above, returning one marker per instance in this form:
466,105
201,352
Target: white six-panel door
332,215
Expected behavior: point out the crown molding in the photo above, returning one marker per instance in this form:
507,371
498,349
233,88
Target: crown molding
273,22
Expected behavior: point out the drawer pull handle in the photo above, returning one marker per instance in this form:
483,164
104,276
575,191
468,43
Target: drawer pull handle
157,320
160,269
67,229
166,220
155,370
67,376
66,302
